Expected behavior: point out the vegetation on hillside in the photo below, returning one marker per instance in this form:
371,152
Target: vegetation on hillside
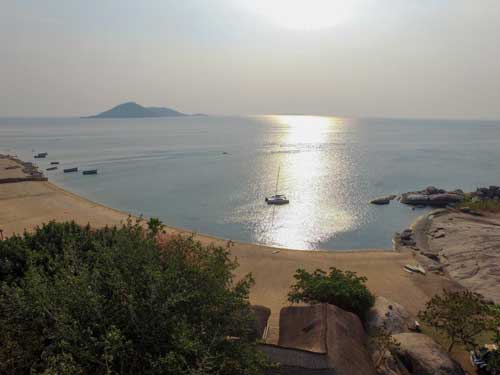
343,289
489,205
74,300
461,316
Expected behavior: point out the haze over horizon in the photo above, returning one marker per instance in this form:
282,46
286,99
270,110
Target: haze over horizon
426,59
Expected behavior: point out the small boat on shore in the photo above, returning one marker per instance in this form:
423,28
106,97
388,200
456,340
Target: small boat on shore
414,268
90,171
54,163
69,170
41,155
51,169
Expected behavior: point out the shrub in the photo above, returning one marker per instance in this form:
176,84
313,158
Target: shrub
112,301
461,316
343,289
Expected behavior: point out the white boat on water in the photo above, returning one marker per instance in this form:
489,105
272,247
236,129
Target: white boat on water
277,199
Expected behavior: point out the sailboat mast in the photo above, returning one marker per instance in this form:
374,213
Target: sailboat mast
277,179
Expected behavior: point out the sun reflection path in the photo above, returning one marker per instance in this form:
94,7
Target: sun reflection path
311,161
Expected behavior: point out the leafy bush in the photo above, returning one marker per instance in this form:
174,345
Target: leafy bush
343,289
113,301
460,315
489,205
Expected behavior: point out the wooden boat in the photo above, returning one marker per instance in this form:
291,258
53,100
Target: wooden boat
41,155
51,168
54,163
69,170
90,171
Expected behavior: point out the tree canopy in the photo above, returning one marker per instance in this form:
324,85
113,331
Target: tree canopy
460,315
74,300
343,289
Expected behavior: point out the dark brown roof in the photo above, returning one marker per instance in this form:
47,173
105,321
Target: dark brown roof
262,314
296,361
324,328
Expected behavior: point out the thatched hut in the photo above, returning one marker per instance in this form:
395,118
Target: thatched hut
296,361
326,330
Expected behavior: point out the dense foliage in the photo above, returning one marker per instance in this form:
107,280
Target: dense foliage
462,316
343,289
113,301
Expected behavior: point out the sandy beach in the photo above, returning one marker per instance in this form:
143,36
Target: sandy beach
24,205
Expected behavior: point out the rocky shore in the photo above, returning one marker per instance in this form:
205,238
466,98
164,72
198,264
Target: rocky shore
463,245
432,196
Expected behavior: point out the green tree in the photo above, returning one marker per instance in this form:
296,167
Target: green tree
343,289
75,300
461,316
383,343
493,362
495,323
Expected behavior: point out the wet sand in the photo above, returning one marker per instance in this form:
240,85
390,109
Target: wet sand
24,205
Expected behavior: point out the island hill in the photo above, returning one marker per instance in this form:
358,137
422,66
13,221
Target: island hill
134,110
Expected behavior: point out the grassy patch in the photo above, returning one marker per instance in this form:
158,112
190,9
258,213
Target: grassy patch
488,205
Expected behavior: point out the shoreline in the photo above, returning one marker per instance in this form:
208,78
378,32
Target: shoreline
25,205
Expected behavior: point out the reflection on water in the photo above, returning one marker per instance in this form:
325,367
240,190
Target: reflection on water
307,177
211,174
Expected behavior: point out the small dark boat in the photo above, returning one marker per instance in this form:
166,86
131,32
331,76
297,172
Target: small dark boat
90,171
68,170
51,168
41,155
54,163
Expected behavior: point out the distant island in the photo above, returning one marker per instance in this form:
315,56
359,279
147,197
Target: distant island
134,110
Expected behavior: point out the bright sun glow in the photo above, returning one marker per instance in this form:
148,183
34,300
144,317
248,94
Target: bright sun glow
305,14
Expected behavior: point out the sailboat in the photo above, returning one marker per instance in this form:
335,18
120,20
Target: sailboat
277,199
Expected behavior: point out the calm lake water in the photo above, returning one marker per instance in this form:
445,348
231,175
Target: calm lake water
176,169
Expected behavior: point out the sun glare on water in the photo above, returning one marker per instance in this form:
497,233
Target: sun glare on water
305,14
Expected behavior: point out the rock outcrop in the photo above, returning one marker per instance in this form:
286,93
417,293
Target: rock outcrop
467,247
423,356
432,196
388,315
383,200
492,192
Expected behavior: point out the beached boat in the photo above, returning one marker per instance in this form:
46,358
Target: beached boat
277,199
41,155
69,170
51,168
417,268
90,171
54,163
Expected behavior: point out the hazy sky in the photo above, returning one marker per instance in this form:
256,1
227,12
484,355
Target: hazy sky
397,58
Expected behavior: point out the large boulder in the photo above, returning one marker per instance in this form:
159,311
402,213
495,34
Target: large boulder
388,315
436,200
324,328
383,200
421,355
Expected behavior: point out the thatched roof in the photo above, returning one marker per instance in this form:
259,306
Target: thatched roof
330,330
262,314
296,361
